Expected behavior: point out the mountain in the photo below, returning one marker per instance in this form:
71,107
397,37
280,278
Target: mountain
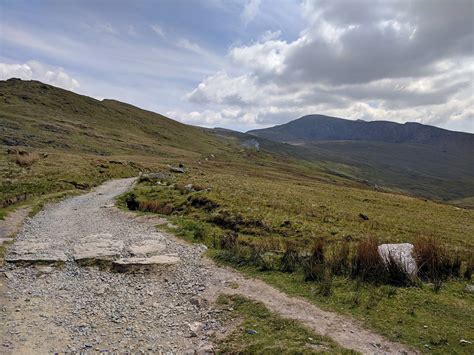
412,158
313,128
40,115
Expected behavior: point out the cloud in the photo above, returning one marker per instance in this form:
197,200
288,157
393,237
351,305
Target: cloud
250,11
399,61
158,30
36,71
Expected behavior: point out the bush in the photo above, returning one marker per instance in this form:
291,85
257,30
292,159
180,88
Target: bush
314,266
367,264
24,158
229,241
291,258
339,261
203,202
469,268
325,288
155,207
131,202
434,261
263,254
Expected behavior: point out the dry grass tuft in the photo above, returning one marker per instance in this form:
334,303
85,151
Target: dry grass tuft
155,207
435,262
25,159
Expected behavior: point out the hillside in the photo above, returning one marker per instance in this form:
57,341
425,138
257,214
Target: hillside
412,158
313,128
57,141
40,115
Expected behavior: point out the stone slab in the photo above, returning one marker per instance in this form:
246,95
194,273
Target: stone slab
34,252
146,248
97,248
144,264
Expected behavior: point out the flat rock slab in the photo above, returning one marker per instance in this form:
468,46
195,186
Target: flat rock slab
97,248
146,248
400,253
152,263
31,252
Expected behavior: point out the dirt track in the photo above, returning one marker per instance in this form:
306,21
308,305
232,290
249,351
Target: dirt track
76,308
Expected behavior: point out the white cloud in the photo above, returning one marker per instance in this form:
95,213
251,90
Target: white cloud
372,62
158,30
250,11
34,70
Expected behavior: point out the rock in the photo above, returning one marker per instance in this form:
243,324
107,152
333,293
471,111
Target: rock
179,170
402,254
198,302
469,288
43,270
31,252
205,349
144,264
97,248
195,328
146,247
189,188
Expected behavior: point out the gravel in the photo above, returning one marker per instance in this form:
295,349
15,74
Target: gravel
86,308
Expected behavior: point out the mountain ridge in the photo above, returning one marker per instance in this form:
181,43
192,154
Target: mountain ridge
315,128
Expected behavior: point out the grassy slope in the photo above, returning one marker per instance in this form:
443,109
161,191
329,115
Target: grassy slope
318,208
89,141
423,170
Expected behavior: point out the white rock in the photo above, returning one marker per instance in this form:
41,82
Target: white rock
401,253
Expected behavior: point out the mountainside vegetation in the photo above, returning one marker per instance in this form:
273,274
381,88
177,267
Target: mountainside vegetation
280,212
410,158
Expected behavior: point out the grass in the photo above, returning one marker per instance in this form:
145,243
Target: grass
260,331
270,202
273,213
432,322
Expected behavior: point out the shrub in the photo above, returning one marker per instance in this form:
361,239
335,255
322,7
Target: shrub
131,202
203,202
325,287
155,207
339,260
291,258
469,268
313,266
434,261
229,241
263,254
367,263
24,158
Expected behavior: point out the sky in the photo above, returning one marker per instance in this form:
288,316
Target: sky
246,64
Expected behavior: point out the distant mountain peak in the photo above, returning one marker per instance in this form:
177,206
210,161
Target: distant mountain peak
312,128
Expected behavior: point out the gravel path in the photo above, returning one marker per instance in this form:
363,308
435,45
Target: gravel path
74,308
